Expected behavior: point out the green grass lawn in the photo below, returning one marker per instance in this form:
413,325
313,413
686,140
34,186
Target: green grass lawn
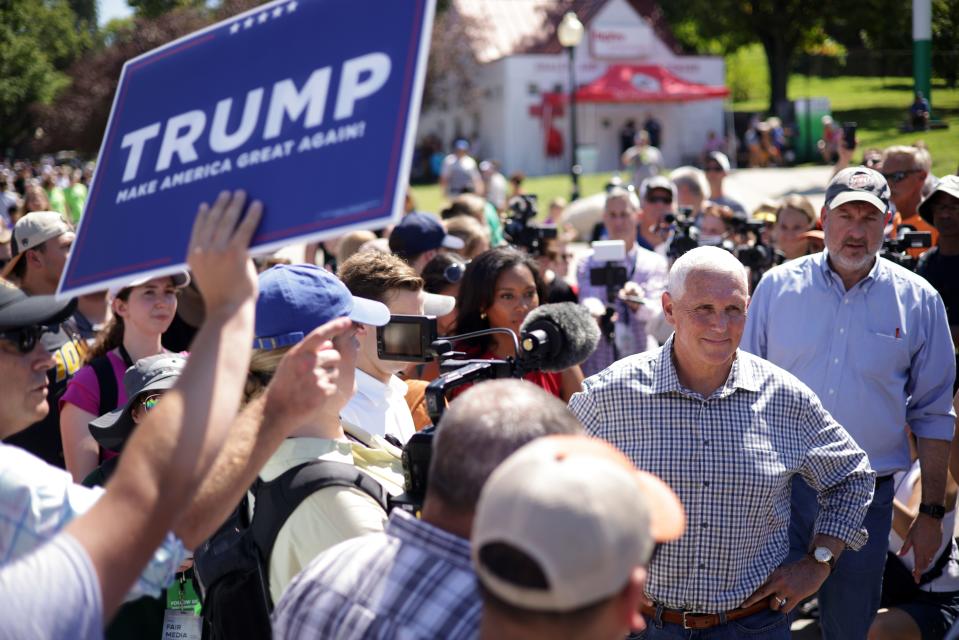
878,105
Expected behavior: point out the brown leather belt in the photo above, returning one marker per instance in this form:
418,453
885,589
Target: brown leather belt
691,620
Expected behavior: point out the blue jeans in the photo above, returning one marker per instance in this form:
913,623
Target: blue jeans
849,598
765,624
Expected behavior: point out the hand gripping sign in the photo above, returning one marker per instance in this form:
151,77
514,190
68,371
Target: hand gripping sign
309,105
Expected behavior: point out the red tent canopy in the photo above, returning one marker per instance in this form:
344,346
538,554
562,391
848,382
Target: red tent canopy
645,83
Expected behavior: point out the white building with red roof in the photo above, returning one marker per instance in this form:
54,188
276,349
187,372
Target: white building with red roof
628,67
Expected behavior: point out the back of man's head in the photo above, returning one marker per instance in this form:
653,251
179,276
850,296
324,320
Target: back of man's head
587,581
483,427
375,276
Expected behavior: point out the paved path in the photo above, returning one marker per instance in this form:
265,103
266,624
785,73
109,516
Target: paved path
753,186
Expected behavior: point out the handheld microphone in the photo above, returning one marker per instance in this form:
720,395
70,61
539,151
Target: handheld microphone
557,336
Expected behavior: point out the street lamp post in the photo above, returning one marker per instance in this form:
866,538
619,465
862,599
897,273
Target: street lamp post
570,33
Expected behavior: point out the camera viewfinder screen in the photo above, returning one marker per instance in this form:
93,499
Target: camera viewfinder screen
402,339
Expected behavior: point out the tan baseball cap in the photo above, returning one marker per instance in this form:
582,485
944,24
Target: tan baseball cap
32,230
581,511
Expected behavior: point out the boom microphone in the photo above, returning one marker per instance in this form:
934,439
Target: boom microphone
557,336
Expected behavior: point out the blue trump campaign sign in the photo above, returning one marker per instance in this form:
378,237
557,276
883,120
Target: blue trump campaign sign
309,105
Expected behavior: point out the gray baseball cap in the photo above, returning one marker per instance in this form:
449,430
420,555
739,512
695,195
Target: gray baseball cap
858,184
156,373
948,185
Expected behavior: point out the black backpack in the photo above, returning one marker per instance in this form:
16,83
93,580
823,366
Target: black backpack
233,565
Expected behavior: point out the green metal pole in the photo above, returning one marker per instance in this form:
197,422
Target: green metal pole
922,47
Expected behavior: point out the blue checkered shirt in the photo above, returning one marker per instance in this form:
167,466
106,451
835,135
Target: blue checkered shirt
37,501
413,581
730,458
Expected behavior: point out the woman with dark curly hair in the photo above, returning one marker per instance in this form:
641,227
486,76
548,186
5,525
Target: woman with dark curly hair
499,288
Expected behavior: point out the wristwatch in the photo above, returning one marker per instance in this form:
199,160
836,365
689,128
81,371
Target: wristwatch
936,511
823,555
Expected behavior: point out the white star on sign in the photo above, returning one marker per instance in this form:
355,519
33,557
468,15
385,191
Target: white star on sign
263,17
234,27
248,23
290,8
278,12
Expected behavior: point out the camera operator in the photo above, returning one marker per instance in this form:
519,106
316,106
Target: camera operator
519,231
940,264
692,190
554,267
716,227
657,197
638,300
415,579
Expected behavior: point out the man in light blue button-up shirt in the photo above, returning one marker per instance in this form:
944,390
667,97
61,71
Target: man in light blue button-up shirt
872,340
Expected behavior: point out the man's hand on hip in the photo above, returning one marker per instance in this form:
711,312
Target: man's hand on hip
790,584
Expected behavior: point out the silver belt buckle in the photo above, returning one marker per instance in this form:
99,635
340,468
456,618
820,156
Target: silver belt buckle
689,613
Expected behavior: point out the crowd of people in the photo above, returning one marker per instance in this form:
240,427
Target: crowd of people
230,451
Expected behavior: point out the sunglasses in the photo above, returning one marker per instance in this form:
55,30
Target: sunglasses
151,401
899,176
26,338
659,200
713,169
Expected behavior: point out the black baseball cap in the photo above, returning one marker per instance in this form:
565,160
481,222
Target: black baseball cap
18,310
858,184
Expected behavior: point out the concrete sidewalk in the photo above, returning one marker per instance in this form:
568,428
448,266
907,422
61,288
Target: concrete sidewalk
753,186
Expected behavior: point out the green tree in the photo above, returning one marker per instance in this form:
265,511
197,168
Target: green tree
782,27
945,40
156,8
38,40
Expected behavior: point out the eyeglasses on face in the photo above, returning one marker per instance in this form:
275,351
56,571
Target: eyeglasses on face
151,401
25,338
713,168
899,176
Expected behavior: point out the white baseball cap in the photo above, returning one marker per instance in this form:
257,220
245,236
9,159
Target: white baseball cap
581,512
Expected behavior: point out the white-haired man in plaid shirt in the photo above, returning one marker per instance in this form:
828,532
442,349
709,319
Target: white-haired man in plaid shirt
727,431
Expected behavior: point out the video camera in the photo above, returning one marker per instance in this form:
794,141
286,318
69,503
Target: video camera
552,338
518,230
684,235
895,249
757,256
612,276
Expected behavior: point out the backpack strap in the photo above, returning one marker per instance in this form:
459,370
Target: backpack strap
107,381
276,500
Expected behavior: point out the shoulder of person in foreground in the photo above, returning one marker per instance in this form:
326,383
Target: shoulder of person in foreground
62,571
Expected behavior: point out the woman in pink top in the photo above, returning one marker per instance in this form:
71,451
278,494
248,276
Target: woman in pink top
142,311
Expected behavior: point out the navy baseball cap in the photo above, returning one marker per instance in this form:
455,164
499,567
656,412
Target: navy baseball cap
295,299
858,184
418,232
